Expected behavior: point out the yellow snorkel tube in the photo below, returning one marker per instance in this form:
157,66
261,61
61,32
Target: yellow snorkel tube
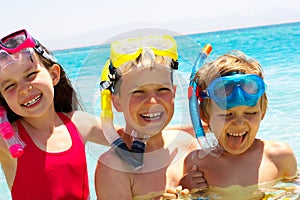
106,109
132,156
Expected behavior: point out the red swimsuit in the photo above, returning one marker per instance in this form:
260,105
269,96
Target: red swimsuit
41,175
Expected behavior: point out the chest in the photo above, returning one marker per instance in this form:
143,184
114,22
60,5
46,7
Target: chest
163,172
243,172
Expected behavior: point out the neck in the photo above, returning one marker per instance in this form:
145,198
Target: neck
154,143
43,122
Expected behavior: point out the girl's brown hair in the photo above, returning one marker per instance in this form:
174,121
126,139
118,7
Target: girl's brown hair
65,96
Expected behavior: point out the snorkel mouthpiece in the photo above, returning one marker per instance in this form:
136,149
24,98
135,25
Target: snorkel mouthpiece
211,144
133,157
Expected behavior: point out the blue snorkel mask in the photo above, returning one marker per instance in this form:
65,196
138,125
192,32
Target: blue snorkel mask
235,90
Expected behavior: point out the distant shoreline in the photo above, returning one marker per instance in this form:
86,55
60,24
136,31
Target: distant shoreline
191,33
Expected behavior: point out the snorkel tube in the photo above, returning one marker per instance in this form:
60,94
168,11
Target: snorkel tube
204,143
133,157
13,142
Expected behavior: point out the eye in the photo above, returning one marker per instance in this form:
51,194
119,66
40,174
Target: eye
32,75
8,87
138,92
251,113
227,114
164,90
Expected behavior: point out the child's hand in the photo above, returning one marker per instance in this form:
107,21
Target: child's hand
194,180
175,193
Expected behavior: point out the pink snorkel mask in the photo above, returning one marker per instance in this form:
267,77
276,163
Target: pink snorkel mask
17,47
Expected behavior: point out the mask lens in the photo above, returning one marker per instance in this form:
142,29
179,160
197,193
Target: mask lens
129,49
14,41
250,86
236,90
221,88
20,57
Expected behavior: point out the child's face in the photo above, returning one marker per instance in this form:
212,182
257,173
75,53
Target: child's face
235,128
146,99
28,87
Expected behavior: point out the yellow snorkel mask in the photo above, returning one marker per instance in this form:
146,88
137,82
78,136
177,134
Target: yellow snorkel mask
130,49
122,52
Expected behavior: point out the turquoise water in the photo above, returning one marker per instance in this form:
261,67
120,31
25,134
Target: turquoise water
276,47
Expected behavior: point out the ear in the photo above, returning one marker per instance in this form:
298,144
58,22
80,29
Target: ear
55,73
116,102
263,115
263,108
174,89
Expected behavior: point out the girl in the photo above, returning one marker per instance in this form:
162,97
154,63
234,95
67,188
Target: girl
43,108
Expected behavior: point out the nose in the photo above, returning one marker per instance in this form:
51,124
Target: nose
239,120
25,88
152,98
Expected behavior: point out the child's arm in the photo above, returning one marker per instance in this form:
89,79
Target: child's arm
284,158
89,127
8,164
193,179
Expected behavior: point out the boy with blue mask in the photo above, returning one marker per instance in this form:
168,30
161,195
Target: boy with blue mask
233,102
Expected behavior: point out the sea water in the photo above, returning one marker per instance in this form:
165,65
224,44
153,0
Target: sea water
276,47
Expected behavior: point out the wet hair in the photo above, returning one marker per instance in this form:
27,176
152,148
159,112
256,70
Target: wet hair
65,96
229,63
146,59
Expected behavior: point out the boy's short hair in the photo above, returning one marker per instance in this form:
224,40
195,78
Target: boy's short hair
231,62
146,59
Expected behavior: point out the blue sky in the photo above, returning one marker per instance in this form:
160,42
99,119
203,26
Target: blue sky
63,24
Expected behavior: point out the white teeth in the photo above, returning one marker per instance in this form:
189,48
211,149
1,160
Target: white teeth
151,116
32,101
237,134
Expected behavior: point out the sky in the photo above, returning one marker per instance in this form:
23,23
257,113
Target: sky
62,24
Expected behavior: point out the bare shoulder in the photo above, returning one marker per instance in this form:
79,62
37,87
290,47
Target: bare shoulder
111,181
82,119
277,148
110,161
180,138
283,157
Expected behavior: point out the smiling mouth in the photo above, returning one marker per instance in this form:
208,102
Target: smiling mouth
32,101
235,140
151,116
237,134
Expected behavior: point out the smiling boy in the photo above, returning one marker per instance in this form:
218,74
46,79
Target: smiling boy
233,103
